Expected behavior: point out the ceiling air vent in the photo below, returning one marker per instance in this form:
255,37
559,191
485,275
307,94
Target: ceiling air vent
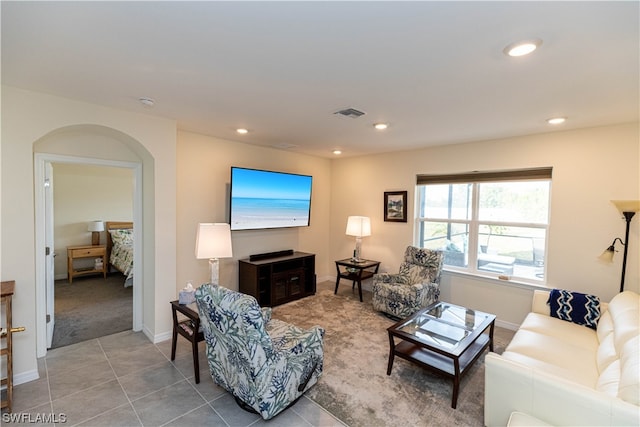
350,112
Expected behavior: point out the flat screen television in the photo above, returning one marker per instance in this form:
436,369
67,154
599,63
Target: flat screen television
263,199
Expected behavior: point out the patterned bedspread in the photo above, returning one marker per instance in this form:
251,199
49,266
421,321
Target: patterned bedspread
122,259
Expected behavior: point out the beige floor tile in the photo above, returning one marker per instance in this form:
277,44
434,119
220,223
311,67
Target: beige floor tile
89,403
151,379
229,410
31,394
64,359
125,361
122,416
166,404
202,416
86,376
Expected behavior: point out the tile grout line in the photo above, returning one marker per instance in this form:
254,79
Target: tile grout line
194,388
120,384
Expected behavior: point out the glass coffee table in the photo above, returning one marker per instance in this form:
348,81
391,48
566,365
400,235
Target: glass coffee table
444,338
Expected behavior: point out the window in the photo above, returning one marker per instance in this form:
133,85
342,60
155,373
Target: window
490,223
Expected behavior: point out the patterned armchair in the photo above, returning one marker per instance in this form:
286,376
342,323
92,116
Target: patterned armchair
414,287
266,364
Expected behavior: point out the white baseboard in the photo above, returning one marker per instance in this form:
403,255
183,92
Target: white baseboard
25,377
162,337
156,338
507,325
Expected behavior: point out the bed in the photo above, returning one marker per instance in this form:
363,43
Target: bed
120,248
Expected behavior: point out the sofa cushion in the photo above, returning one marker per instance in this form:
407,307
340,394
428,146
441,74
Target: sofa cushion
566,331
606,353
609,379
630,372
605,326
575,307
555,354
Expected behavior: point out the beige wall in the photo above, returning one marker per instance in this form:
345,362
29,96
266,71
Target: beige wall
83,193
590,168
204,166
28,119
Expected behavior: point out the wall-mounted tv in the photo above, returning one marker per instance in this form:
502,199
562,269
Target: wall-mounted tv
266,199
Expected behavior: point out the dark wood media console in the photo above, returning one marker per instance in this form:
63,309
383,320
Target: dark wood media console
277,279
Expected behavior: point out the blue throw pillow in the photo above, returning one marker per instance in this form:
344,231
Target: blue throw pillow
575,307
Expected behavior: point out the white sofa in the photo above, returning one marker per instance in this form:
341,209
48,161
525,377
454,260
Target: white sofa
566,374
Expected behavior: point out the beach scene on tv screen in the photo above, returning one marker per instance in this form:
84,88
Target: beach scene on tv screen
261,199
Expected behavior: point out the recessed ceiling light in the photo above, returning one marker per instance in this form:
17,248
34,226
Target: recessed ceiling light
381,126
336,152
242,131
147,102
556,120
522,48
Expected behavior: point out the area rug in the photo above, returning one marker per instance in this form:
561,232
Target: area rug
355,387
91,307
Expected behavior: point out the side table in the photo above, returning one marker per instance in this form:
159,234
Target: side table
356,271
80,252
188,328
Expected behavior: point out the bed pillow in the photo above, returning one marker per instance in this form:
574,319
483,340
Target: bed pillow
575,307
122,236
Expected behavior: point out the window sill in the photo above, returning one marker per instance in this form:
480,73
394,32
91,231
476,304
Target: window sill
493,279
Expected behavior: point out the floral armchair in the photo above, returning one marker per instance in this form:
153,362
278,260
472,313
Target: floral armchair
266,364
414,287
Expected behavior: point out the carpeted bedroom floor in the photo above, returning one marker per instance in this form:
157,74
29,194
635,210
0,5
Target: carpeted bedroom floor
91,307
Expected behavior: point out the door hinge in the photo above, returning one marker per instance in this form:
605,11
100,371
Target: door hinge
47,251
48,318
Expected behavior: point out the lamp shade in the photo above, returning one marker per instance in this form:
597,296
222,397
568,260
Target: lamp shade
358,226
607,255
627,205
213,241
96,226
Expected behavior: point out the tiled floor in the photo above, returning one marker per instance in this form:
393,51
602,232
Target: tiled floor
125,380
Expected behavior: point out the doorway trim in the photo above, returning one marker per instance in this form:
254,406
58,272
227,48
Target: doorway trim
40,162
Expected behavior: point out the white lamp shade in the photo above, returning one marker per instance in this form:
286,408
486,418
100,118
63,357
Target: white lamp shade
358,226
213,241
627,205
96,226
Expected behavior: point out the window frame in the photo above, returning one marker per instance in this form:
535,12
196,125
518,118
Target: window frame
475,179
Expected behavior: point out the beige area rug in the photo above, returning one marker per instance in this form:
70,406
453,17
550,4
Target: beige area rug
355,387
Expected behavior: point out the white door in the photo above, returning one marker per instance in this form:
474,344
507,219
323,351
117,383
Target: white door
49,253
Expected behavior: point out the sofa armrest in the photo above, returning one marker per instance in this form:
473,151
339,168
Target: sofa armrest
511,386
539,304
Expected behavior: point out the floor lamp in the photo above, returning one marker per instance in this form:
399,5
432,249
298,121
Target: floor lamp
213,241
628,208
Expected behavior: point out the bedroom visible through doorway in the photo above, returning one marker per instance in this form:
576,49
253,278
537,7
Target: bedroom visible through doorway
89,306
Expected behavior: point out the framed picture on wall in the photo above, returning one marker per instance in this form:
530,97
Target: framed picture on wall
395,206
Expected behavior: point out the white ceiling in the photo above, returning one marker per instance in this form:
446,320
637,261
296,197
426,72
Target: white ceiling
434,71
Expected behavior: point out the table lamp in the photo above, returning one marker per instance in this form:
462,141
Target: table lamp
95,227
213,241
358,226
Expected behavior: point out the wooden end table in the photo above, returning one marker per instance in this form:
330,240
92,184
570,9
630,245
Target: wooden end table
444,338
356,271
188,328
82,252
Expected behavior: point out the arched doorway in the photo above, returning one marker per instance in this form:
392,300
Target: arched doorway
88,145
